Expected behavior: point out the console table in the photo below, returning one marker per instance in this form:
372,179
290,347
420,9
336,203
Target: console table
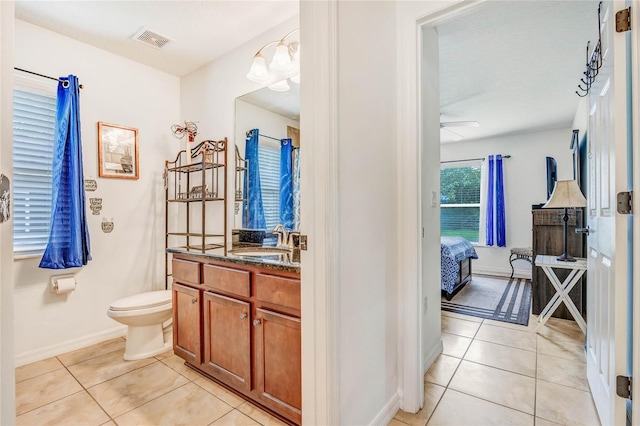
577,269
547,238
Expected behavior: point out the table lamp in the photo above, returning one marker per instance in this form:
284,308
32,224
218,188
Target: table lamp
566,194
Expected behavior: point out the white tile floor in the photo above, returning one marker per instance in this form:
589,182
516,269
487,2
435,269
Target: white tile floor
490,373
498,373
95,386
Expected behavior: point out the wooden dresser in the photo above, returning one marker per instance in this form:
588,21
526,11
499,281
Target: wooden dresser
547,239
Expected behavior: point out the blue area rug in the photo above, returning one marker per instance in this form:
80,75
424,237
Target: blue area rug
496,298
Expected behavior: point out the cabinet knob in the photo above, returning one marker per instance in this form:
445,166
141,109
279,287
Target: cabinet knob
256,322
194,300
243,315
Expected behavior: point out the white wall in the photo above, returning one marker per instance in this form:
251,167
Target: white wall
7,332
368,288
525,184
249,117
130,259
208,94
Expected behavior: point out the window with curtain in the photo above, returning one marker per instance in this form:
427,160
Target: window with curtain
269,158
34,117
460,200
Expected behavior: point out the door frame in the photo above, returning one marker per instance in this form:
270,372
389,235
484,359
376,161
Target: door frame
635,119
7,331
319,212
413,358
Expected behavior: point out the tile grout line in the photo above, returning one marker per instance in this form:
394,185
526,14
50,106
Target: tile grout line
87,392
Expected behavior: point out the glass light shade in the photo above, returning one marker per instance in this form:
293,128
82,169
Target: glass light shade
566,193
280,86
295,79
281,59
296,56
258,72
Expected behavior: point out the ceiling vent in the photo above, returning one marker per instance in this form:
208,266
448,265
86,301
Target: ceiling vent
151,38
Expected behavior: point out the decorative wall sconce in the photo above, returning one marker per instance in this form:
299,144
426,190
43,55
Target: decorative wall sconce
285,64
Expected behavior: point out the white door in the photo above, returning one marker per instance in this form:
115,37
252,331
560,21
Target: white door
607,241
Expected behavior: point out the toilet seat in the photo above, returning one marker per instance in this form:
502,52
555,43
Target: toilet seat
146,300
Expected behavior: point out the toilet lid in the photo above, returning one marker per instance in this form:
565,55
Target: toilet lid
150,299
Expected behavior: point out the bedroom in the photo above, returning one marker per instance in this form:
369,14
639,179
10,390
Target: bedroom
500,106
505,84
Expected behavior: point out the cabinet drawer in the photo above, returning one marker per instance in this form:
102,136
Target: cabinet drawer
278,290
185,271
227,280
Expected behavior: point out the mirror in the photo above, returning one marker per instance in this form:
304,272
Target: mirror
276,116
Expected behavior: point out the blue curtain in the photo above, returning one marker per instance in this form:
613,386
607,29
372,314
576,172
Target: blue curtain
286,184
68,245
252,187
496,223
296,188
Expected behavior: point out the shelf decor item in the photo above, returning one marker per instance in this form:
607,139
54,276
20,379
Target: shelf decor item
117,151
566,194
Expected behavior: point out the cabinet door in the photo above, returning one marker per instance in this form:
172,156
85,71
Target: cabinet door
186,323
278,363
227,340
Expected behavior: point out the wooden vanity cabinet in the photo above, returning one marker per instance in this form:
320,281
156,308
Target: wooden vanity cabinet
278,362
186,323
227,340
245,332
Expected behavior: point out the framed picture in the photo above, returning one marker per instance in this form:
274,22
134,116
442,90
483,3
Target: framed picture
117,151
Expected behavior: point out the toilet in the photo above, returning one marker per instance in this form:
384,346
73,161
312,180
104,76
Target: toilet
144,314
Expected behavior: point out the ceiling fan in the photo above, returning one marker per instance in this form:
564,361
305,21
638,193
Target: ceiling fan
445,125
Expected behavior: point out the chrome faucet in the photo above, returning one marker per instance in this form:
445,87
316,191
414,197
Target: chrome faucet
283,236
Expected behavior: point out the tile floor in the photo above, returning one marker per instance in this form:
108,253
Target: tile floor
489,373
498,373
95,386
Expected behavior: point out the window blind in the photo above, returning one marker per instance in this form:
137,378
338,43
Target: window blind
269,158
34,116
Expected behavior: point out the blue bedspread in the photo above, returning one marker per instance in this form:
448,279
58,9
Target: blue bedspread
453,250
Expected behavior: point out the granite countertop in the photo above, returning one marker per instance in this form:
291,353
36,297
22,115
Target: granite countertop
289,262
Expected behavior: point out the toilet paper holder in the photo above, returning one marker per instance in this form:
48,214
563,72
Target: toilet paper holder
62,284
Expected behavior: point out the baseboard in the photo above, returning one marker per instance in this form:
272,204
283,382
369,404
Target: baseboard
390,409
68,346
502,272
431,357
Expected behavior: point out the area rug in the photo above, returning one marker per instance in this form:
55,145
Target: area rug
495,298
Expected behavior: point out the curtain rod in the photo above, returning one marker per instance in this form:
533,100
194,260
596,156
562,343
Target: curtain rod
275,139
269,137
65,83
470,159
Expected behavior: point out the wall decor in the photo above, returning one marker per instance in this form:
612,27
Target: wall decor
5,199
107,225
95,204
117,151
90,185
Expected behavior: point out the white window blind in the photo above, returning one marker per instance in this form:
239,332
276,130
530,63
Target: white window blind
269,160
34,116
460,201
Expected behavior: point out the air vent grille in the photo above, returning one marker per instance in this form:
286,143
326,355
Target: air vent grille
151,38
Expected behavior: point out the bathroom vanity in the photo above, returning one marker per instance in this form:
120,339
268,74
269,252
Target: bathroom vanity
237,320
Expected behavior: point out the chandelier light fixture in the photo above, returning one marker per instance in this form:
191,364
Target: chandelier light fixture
284,65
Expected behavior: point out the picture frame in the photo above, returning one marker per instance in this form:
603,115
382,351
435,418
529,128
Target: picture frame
117,151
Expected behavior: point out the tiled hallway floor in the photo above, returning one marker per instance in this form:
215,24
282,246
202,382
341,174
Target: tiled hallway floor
95,386
498,373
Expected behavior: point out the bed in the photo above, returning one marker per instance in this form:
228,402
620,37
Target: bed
456,254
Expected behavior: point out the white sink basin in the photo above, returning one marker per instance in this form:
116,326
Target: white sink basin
259,251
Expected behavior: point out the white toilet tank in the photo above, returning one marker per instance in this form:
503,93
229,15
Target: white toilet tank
149,299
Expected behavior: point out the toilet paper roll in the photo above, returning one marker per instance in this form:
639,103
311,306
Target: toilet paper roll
64,285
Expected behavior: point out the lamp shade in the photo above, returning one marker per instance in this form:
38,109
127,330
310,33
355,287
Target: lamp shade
258,72
281,59
566,194
280,86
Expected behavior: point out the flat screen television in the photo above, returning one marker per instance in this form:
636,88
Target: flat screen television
552,175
